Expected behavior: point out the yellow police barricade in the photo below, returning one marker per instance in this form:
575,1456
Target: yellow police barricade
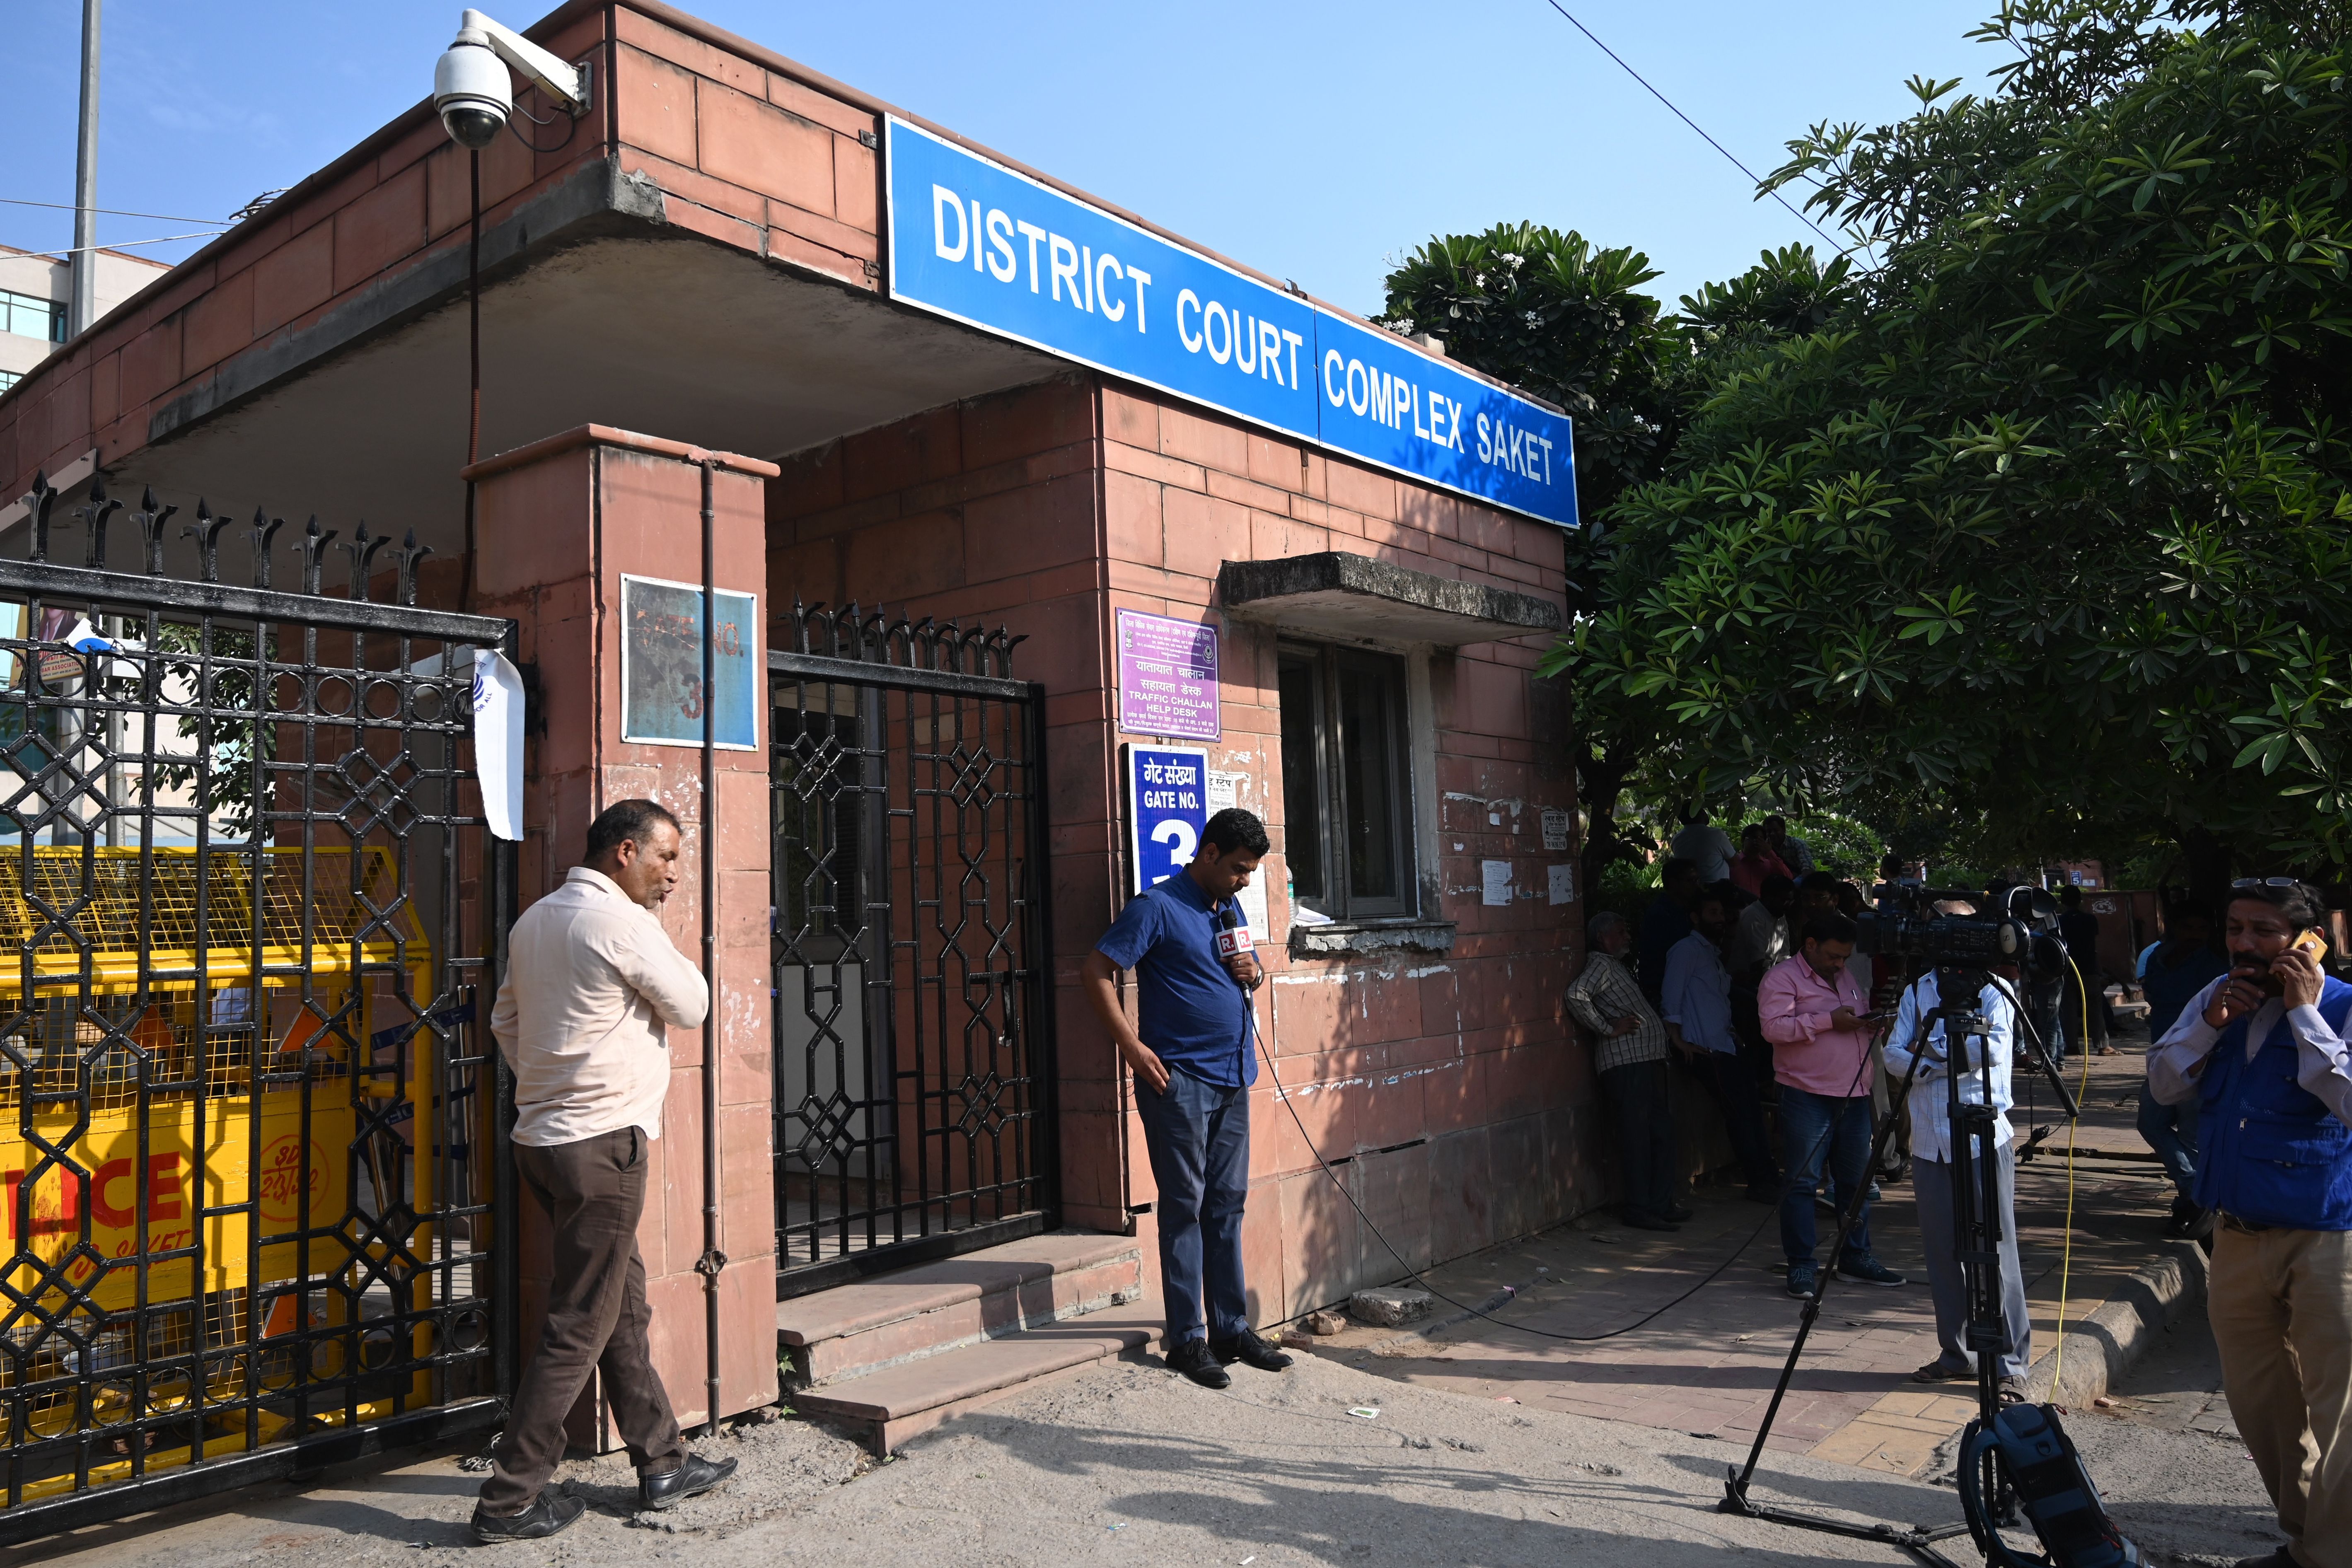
178,1161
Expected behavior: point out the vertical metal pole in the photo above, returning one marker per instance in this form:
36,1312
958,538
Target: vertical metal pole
713,1261
474,372
506,1199
82,309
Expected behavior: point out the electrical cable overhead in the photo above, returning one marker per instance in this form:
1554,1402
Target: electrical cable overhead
1826,237
121,244
111,212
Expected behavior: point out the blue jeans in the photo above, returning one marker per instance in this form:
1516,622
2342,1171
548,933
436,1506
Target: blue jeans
2171,1131
1817,1128
1197,1135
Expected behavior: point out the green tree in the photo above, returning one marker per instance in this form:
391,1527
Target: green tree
1545,310
2043,525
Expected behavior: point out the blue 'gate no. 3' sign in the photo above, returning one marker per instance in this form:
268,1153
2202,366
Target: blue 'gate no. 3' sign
1167,806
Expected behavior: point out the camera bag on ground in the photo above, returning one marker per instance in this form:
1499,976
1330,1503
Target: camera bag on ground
2056,1492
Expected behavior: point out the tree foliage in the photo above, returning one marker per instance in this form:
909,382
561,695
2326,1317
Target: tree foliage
2042,520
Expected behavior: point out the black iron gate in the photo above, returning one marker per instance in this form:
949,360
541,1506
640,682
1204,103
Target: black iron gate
913,1062
249,920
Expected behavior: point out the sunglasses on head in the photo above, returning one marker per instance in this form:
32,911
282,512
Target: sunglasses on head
2267,882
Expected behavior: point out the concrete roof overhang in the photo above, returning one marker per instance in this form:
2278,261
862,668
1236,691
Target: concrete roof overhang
594,309
1334,594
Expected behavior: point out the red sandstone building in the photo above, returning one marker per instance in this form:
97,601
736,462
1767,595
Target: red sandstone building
696,270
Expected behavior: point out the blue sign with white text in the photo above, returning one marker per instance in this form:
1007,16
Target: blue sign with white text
975,241
1167,806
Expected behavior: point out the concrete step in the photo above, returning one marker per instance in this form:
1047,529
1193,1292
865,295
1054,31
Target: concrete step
932,1309
884,1409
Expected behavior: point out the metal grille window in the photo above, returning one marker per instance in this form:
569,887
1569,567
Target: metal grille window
1345,798
31,316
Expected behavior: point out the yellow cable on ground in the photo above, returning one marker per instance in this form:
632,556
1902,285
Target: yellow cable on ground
2066,1244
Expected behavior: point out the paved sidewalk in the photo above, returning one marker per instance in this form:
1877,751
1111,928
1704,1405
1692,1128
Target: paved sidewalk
1707,1366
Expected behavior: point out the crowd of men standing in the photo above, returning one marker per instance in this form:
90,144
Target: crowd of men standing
1744,967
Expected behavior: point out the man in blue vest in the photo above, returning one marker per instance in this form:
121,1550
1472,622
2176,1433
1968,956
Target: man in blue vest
1189,1049
2263,1050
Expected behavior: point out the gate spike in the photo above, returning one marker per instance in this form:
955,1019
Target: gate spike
205,531
150,517
95,513
314,549
265,533
363,551
39,499
412,555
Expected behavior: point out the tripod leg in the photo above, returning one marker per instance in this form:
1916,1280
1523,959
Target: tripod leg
1848,1217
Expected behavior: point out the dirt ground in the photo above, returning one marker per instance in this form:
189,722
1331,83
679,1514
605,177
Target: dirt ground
1120,1464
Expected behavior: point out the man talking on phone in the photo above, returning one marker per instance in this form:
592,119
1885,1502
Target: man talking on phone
1817,1018
1191,1051
2263,1050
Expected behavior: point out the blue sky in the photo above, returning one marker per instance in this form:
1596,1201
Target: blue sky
1313,139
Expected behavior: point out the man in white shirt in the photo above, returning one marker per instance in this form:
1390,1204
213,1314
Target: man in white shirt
1983,1080
591,979
2263,1049
1705,846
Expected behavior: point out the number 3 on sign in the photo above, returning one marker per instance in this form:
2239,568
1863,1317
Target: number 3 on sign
1181,842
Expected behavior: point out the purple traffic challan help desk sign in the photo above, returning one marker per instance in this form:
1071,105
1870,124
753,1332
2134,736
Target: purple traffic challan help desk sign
1166,677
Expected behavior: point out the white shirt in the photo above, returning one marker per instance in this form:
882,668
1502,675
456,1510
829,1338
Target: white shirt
1760,937
1931,1093
1707,847
2321,1058
590,979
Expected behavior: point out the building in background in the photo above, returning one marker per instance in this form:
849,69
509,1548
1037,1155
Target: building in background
35,293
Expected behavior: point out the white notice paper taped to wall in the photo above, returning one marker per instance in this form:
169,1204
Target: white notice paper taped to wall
1496,880
498,742
1563,884
1555,830
1253,901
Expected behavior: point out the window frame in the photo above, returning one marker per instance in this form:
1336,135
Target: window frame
1337,900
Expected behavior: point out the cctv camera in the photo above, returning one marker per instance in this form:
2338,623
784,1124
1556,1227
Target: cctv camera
474,95
472,91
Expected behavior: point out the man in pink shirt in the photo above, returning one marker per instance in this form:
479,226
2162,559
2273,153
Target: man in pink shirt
1818,1018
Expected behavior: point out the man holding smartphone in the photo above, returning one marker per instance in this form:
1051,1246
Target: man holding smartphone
1819,1021
1189,1049
2263,1049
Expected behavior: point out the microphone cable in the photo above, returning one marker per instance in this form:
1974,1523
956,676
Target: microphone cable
1283,1093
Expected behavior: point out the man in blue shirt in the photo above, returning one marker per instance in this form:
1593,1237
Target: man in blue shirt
1191,1051
1695,1000
1666,922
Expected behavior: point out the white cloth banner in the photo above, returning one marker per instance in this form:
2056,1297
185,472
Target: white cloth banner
498,741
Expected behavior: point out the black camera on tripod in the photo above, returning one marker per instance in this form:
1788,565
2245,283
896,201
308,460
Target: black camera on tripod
1907,925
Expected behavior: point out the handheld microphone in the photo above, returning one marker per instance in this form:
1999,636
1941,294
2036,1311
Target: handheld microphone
1234,937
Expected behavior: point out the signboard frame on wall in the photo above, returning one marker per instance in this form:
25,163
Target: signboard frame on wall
657,610
1149,845
1141,712
1248,347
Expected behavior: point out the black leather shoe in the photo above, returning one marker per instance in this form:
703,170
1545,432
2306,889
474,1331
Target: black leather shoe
1251,1349
1194,1358
693,1477
550,1512
1642,1219
1680,1213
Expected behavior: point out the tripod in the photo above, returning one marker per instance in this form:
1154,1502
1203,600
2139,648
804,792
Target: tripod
1975,1175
